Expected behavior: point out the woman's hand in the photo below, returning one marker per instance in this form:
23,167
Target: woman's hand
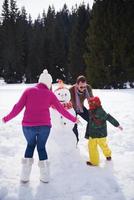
78,121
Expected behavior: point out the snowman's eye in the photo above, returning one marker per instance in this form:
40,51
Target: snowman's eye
58,93
65,94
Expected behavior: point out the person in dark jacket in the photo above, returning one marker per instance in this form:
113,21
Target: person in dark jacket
79,92
98,131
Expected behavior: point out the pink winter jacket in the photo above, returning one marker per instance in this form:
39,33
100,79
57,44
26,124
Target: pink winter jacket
37,100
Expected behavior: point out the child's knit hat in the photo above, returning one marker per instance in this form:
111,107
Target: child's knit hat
46,78
94,102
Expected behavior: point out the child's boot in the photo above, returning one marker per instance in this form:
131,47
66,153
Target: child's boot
109,158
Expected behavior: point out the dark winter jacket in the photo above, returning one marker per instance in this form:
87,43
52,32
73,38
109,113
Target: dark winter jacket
98,123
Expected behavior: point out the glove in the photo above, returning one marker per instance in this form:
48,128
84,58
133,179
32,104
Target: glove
120,127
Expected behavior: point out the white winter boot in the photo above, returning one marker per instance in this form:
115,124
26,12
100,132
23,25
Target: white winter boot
26,169
44,170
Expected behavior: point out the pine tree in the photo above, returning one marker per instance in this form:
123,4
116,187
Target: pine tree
5,38
3,26
21,41
13,11
12,39
80,23
5,10
61,43
49,43
107,41
97,46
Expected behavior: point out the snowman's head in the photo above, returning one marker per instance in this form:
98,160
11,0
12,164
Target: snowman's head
63,94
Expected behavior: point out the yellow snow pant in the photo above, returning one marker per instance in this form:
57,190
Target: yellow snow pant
93,149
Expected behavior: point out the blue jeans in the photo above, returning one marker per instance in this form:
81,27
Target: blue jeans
36,135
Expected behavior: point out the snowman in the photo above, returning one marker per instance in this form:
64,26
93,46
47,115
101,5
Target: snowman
64,96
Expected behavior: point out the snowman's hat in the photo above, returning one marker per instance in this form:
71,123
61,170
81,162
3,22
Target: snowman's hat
60,83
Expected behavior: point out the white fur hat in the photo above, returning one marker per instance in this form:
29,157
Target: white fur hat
45,78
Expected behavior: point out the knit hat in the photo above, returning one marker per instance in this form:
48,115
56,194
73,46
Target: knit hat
46,78
94,102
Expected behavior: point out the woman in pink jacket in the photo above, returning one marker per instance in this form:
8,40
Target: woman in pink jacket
36,123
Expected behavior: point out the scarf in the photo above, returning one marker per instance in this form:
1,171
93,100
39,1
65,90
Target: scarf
79,106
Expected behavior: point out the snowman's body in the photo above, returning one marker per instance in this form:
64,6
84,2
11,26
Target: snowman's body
64,96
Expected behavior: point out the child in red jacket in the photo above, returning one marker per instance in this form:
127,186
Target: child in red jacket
98,131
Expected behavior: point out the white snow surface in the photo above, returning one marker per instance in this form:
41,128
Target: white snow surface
71,178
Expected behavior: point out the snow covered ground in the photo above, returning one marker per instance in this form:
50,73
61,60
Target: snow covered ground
71,179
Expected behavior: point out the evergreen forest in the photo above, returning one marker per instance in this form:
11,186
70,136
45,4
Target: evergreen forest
97,43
